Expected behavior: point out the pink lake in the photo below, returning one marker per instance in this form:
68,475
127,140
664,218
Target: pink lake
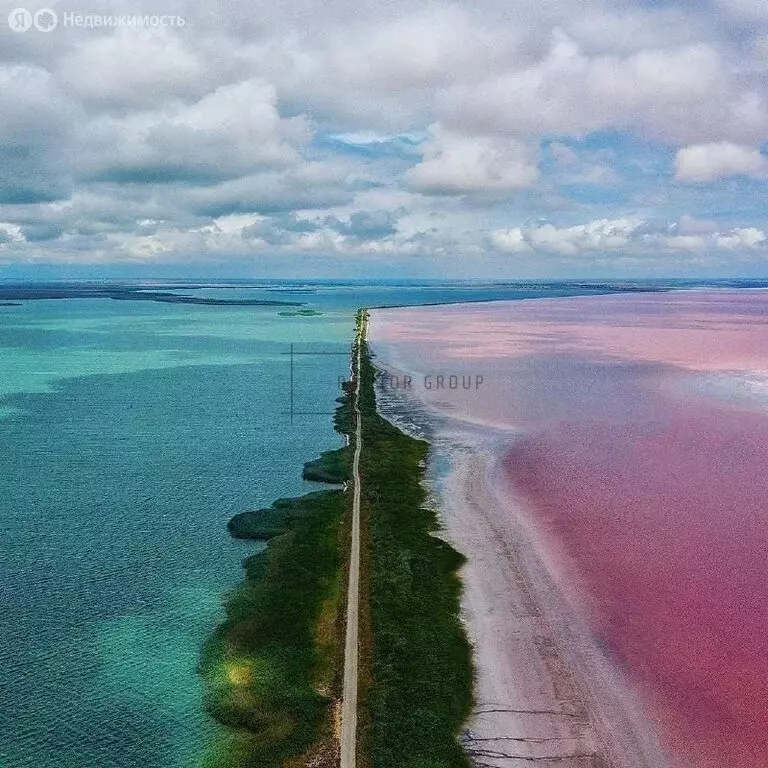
640,443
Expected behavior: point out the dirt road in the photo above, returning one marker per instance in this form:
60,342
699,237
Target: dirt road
349,696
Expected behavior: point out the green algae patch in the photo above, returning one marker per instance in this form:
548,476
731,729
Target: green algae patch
417,669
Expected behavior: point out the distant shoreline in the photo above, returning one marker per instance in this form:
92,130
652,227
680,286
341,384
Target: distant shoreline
128,293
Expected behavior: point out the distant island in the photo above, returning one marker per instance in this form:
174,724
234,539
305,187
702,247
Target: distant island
124,293
301,313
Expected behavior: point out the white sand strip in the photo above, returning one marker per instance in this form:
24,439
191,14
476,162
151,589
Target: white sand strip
545,694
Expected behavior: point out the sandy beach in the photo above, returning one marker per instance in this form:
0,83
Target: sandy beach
605,486
544,691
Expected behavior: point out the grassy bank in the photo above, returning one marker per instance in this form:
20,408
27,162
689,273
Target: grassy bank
417,673
271,670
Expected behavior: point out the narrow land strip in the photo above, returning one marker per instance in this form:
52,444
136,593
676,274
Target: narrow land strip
415,658
351,651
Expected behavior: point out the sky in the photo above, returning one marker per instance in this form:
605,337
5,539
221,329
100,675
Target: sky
491,139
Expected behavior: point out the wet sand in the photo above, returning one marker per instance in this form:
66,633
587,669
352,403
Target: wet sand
607,484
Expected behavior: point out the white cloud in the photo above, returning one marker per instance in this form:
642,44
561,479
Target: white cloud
692,243
161,67
745,237
454,164
145,139
680,94
624,236
228,133
417,49
709,162
598,235
511,240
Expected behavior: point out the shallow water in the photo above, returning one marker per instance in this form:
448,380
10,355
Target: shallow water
131,435
643,462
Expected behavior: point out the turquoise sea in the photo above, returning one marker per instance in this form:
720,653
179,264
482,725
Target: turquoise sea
130,432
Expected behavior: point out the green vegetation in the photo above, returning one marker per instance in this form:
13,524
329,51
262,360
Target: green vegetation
281,517
331,467
271,669
417,672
